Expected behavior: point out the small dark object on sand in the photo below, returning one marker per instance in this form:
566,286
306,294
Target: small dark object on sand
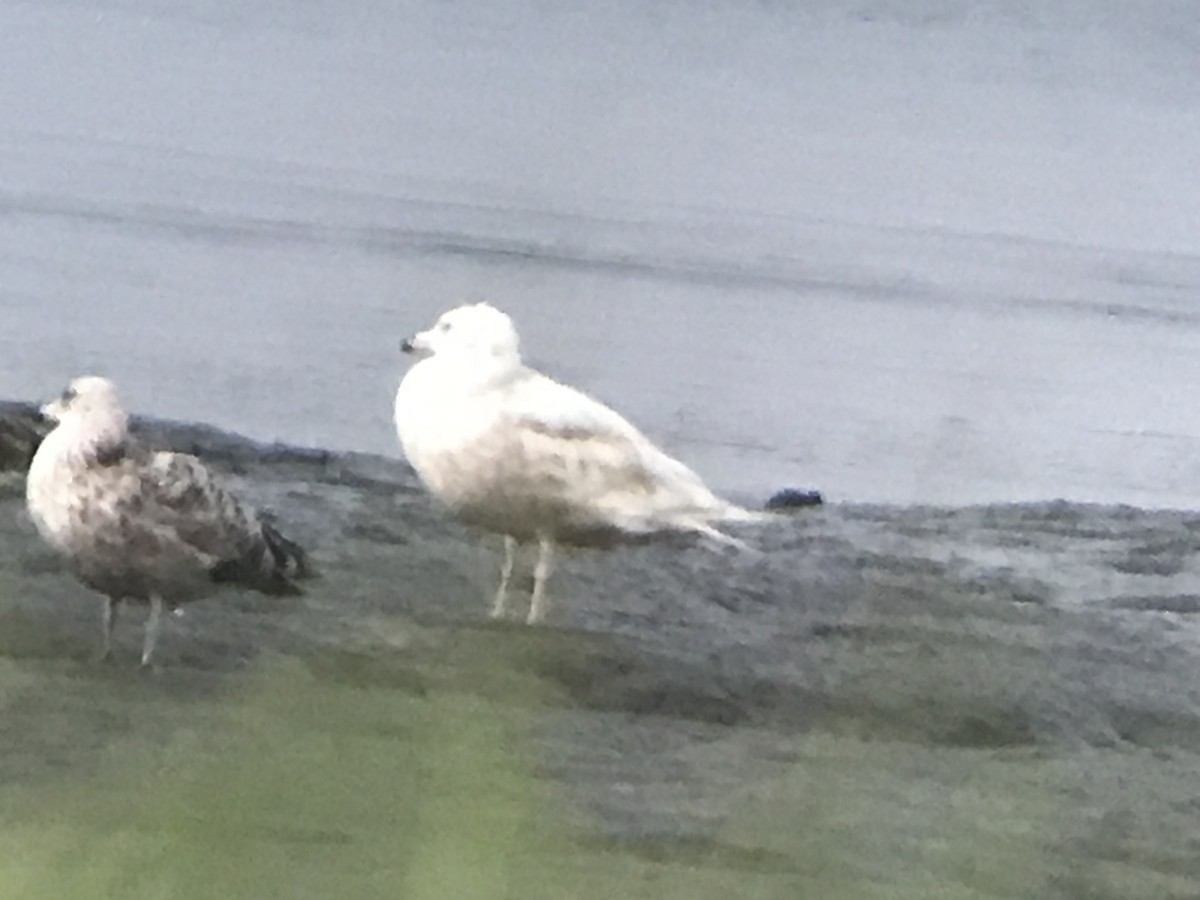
794,498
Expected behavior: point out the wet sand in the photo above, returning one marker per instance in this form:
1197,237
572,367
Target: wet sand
987,701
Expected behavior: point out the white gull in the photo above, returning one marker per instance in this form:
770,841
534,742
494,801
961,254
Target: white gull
515,452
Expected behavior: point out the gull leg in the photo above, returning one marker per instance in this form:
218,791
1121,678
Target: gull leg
506,570
112,606
156,608
545,565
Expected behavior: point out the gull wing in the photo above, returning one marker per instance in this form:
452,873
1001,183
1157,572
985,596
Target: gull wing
593,458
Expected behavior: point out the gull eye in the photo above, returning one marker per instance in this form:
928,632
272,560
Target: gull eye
68,395
443,327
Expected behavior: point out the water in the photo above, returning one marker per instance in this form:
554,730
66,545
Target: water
941,253
935,259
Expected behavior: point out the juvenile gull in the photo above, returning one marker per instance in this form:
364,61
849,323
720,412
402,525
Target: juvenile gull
135,524
512,451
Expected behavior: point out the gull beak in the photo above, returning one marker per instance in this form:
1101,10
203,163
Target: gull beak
50,412
417,346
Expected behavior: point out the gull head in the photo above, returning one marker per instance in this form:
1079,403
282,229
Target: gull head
90,412
476,334
88,396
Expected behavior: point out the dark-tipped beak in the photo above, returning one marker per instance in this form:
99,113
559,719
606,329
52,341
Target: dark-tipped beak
406,346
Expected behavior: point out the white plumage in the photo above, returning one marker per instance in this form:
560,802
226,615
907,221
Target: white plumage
515,452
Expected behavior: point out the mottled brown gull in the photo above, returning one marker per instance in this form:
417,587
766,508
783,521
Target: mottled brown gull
140,525
515,452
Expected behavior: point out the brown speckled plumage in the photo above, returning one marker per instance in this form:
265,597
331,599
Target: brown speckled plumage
145,525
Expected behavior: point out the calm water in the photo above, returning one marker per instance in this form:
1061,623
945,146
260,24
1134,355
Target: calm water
960,273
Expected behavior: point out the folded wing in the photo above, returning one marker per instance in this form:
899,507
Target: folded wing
168,505
600,464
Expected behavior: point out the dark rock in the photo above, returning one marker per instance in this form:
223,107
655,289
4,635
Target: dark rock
794,498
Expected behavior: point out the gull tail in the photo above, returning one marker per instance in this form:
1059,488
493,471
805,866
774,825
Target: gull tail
705,522
732,513
720,537
272,564
286,555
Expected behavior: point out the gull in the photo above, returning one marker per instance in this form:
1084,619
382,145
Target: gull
512,451
140,525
